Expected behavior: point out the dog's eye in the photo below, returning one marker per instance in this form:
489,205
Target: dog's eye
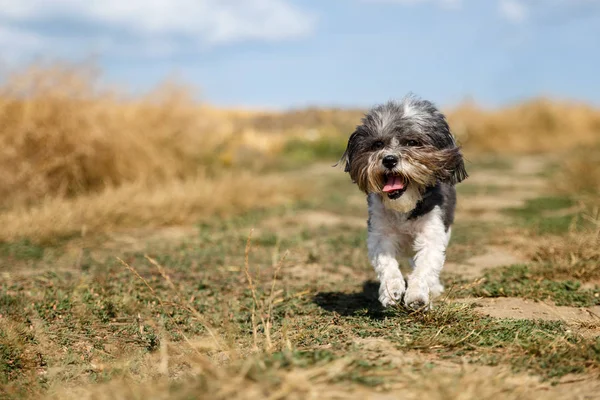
378,145
411,143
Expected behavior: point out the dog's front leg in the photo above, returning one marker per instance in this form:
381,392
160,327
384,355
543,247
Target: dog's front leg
430,253
382,254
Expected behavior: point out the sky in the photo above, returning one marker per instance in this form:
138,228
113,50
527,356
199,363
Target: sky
296,53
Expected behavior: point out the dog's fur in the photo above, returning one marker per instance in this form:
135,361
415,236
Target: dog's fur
417,224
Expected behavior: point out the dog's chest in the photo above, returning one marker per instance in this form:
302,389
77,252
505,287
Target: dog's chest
395,225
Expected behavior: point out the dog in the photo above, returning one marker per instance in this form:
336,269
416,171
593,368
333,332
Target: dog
406,160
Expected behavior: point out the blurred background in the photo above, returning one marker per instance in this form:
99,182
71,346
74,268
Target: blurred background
110,112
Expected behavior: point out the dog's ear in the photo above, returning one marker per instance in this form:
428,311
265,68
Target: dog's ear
456,164
459,172
347,156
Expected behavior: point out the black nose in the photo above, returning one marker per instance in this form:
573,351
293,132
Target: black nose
390,161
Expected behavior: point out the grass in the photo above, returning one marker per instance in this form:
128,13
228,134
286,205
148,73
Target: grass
298,152
564,258
136,206
529,282
62,135
535,126
21,250
194,297
543,215
469,239
580,174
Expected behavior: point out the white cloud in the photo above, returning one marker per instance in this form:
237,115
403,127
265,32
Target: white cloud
513,10
164,23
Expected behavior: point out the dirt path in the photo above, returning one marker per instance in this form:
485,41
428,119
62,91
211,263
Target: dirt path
515,307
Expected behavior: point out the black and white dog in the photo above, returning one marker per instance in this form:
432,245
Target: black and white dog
405,158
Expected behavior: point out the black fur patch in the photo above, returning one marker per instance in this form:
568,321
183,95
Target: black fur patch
442,195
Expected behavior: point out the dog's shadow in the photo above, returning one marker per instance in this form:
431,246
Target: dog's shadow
348,304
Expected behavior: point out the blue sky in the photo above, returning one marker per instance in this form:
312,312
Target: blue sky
293,53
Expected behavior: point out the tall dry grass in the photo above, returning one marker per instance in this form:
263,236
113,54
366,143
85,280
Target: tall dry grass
62,134
535,126
141,205
580,174
67,137
75,154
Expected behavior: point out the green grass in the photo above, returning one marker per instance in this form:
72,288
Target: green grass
540,346
537,215
21,250
326,148
469,239
530,282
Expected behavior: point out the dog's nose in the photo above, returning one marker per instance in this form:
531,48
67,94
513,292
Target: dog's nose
390,161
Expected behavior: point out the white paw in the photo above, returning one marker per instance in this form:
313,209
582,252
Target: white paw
436,289
391,290
417,295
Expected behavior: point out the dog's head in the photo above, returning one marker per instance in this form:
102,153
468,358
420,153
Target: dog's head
400,149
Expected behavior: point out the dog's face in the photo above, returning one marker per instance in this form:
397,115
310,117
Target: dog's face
400,149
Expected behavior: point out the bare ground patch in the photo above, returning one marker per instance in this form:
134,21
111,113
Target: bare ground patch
515,307
313,219
493,257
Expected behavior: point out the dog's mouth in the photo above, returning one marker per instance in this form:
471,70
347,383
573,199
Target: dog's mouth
395,186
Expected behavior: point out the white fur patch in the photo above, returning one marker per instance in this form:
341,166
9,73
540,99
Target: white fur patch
406,202
409,111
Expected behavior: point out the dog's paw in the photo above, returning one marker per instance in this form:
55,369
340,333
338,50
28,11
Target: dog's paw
436,289
417,295
391,291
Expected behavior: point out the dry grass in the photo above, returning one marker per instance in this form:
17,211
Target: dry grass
577,253
75,154
62,134
580,174
535,126
321,382
140,205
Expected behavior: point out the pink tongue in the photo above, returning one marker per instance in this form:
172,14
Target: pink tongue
393,183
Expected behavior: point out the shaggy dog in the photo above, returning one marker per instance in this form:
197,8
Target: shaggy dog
404,157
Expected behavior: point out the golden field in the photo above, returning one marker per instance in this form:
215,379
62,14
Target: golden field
63,136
